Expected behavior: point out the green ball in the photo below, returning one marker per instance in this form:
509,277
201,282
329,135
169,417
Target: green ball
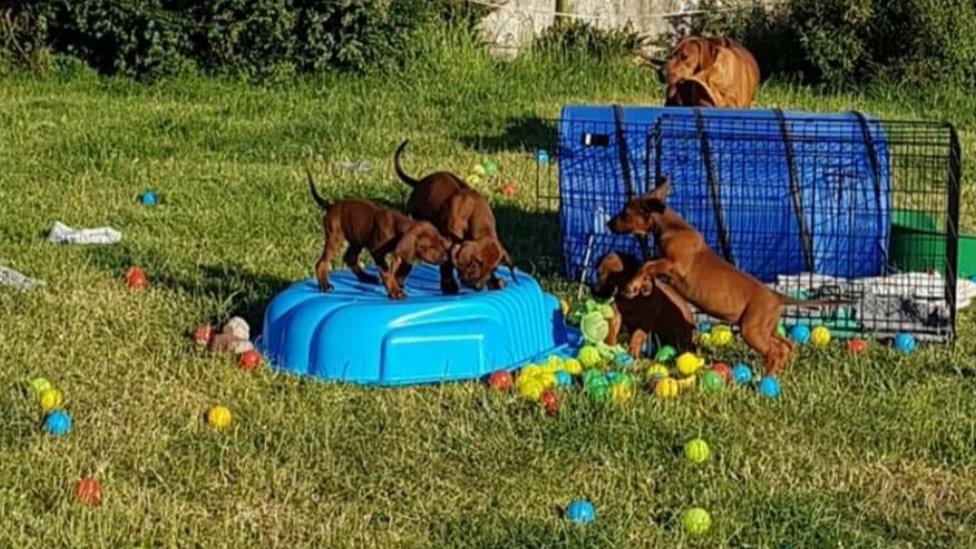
696,521
39,385
712,381
665,354
589,356
696,450
599,392
490,167
781,331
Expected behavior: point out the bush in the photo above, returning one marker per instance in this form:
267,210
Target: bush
577,39
151,38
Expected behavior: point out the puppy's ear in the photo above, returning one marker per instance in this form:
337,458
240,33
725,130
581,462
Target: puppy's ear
661,191
491,253
707,54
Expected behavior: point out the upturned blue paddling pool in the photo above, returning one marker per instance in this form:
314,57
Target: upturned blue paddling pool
357,334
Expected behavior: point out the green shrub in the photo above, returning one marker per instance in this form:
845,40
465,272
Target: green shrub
575,38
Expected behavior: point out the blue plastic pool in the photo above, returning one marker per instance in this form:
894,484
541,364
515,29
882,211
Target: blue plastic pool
356,334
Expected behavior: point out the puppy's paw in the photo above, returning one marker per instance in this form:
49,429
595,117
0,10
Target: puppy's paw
397,295
325,286
632,288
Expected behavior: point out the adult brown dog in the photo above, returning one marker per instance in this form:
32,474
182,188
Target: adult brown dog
382,231
710,72
462,214
663,313
706,280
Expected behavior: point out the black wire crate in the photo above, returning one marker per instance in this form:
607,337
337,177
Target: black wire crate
815,206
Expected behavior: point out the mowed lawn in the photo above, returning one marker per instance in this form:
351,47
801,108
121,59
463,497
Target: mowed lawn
869,452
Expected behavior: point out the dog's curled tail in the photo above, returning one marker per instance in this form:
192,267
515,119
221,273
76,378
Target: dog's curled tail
322,202
787,300
399,169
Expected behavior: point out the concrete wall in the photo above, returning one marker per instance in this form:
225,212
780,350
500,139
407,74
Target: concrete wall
515,22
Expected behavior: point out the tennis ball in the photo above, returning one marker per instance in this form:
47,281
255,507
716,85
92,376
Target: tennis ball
529,371
696,521
712,381
555,362
696,450
689,363
666,388
531,389
589,356
594,327
219,417
573,366
721,336
38,385
686,383
820,336
657,370
50,399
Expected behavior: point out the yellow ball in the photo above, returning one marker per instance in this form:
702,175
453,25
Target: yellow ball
219,417
657,370
621,392
573,366
564,306
721,336
589,356
50,399
666,388
705,339
689,363
820,336
687,383
548,379
531,389
530,371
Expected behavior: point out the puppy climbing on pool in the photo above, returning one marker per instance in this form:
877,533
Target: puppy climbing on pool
381,231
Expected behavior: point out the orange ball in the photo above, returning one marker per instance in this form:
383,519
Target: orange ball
136,278
89,491
857,346
501,381
550,401
249,360
724,370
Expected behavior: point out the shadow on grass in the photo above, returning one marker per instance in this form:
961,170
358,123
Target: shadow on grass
532,239
525,133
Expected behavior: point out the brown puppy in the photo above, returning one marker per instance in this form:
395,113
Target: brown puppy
706,280
663,313
462,214
710,72
382,231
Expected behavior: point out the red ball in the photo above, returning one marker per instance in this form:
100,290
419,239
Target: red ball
509,189
501,381
724,370
857,346
550,401
203,334
136,278
89,491
249,360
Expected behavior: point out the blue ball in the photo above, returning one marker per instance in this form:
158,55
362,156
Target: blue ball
905,343
58,423
563,378
581,511
623,359
769,387
542,156
148,198
612,376
742,374
800,333
704,327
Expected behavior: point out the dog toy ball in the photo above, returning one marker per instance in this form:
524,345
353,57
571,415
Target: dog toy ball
905,343
478,170
147,198
769,387
742,374
704,327
38,385
696,450
490,167
665,354
581,511
203,334
781,330
501,381
542,157
623,359
696,521
820,336
136,278
657,371
599,389
591,376
857,346
573,366
800,333
721,336
509,189
554,363
705,340
89,491
724,370
564,306
712,381
531,388
550,401
50,399
622,390
689,363
589,356
58,423
249,360
594,327
219,417
687,383
564,379
666,388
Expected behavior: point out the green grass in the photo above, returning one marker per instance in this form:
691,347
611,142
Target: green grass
869,453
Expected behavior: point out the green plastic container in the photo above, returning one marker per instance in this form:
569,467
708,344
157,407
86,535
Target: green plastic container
917,244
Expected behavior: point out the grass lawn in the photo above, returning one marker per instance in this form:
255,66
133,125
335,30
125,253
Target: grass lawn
868,453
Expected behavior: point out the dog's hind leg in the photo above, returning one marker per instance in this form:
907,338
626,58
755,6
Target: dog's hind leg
333,241
351,257
756,333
